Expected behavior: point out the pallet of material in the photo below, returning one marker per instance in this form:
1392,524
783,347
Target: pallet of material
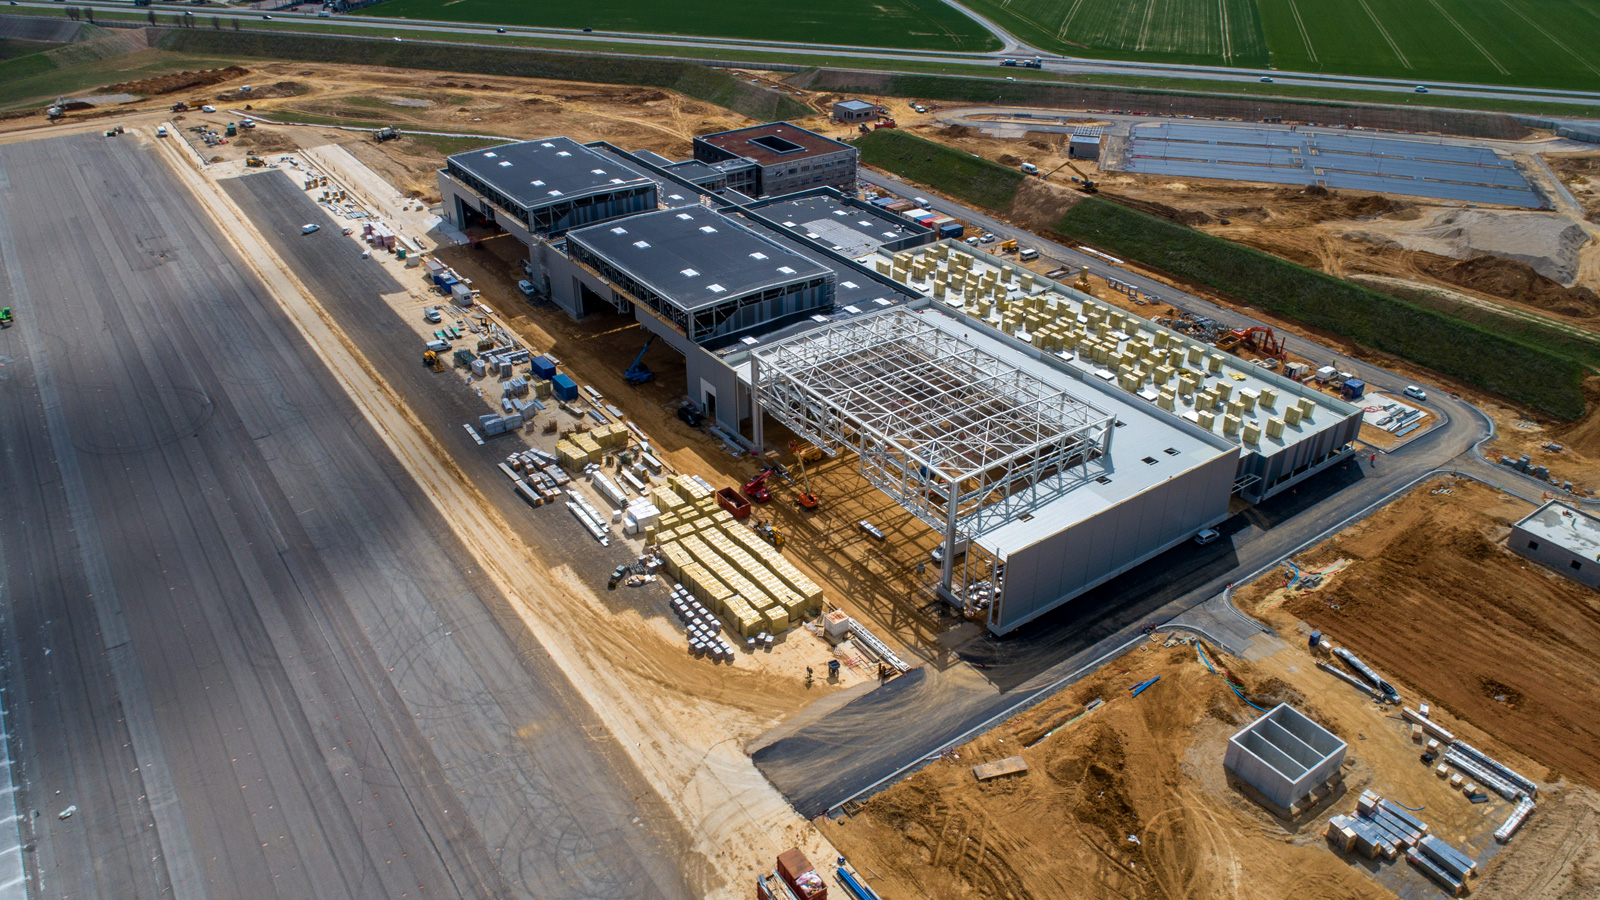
1440,876
1011,765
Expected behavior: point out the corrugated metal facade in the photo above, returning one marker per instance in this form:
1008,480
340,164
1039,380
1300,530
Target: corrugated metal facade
1058,568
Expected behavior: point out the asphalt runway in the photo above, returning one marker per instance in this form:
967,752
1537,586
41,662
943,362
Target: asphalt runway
238,638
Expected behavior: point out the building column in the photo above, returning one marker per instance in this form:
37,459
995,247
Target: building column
756,432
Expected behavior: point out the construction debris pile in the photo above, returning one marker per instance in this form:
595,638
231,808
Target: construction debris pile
1384,828
727,567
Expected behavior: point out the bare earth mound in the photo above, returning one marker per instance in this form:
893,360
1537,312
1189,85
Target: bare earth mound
178,81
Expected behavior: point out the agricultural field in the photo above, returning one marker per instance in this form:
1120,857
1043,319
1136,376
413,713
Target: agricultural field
1544,43
908,24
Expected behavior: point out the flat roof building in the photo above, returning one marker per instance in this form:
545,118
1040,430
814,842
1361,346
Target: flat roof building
1287,431
706,274
1063,481
781,158
843,224
543,187
1562,537
851,111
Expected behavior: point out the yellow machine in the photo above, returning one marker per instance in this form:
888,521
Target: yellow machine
432,361
254,162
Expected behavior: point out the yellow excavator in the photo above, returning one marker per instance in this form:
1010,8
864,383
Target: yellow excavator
1085,183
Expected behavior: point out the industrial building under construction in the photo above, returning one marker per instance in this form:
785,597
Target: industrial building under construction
1063,441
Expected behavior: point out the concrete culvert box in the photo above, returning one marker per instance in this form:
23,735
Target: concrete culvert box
1284,755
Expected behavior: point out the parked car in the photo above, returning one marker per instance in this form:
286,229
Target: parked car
161,131
988,238
309,228
1415,392
526,287
208,108
1206,536
973,241
690,416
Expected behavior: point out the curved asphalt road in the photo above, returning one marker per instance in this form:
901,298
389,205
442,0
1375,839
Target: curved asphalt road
1052,62
852,751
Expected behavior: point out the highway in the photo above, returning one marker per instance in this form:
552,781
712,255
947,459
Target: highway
693,47
239,640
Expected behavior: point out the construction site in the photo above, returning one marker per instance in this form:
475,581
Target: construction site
728,455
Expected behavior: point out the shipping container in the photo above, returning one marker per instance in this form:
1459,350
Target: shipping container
565,388
543,367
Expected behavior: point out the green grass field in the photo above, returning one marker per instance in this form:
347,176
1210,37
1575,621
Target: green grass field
1541,43
961,175
911,24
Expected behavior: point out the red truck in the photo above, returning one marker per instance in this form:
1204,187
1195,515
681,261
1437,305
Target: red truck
793,878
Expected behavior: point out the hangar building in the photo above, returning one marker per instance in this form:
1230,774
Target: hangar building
1063,441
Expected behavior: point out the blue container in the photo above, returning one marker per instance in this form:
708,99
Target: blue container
543,367
565,388
952,230
882,202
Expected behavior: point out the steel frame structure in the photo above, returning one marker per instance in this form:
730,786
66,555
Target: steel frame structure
959,438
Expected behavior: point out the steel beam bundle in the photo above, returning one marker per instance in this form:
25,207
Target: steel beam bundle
1482,775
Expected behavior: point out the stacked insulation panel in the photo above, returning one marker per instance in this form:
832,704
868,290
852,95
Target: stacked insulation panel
725,565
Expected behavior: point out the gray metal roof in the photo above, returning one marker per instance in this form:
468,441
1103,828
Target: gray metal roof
695,257
669,193
855,105
1566,527
855,232
1334,159
534,173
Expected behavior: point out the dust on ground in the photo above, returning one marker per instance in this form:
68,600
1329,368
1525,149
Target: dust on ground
877,582
1130,800
1544,262
1433,597
1580,172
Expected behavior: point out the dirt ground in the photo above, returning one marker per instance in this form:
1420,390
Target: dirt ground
1130,800
1504,653
877,582
1432,596
1580,172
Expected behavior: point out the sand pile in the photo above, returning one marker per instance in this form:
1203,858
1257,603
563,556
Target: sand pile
1547,242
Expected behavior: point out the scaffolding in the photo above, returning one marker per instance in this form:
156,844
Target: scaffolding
961,439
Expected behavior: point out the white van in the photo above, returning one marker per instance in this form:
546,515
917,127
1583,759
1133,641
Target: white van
307,229
1028,253
1030,169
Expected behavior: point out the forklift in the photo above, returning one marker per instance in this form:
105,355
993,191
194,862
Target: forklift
771,535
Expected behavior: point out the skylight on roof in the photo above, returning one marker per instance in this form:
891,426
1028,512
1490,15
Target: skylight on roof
789,225
848,284
554,193
537,182
840,212
642,245
750,341
616,181
716,289
619,230
708,229
880,301
563,153
822,319
505,162
690,273
786,270
491,155
597,171
542,144
758,255
685,216
852,309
